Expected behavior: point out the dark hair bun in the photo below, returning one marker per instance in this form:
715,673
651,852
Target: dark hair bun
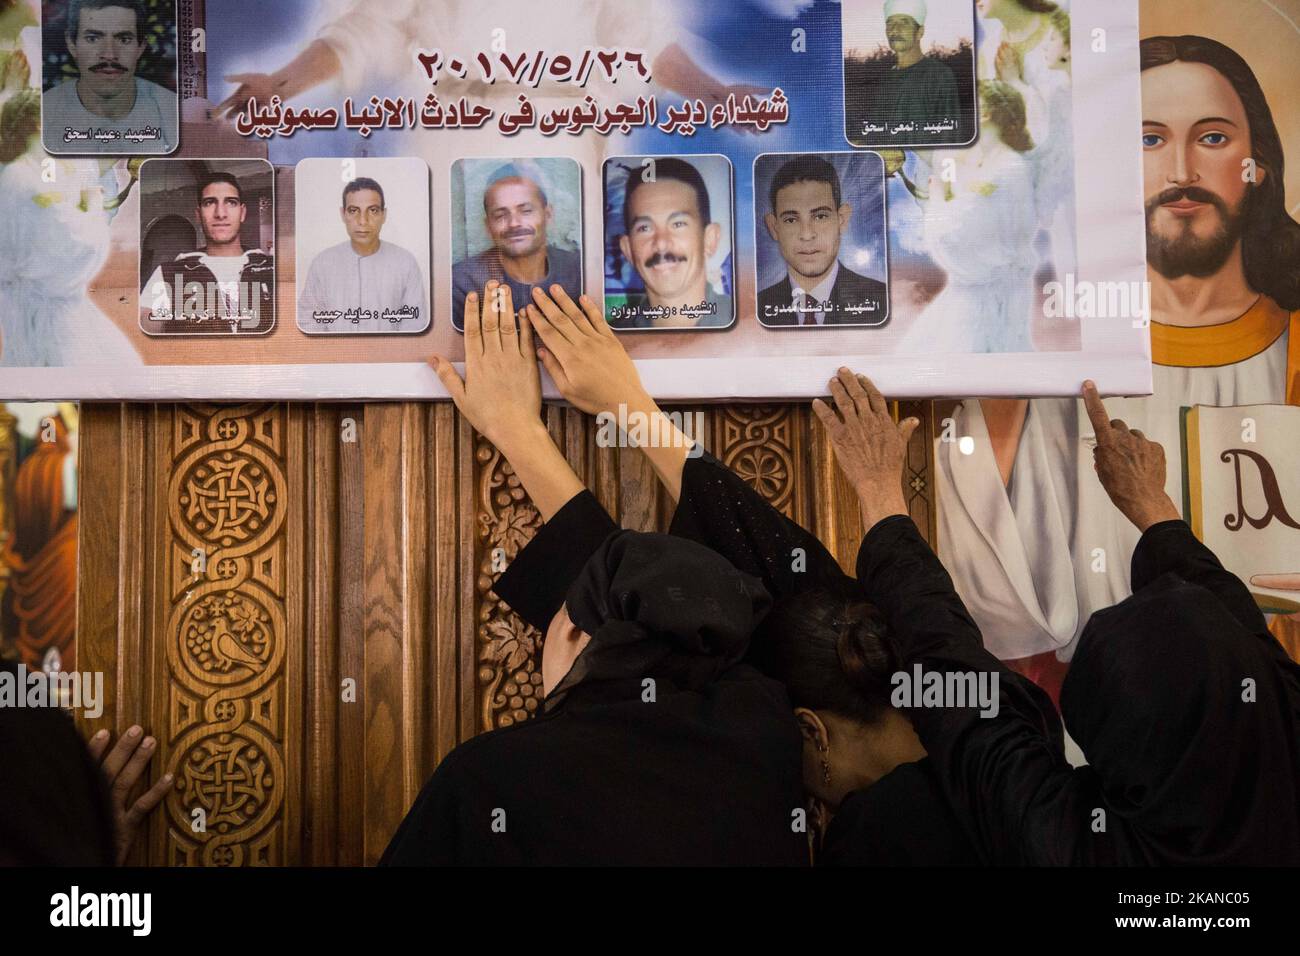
863,649
832,651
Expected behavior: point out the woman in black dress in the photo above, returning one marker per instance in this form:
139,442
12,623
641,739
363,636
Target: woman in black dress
830,646
1187,708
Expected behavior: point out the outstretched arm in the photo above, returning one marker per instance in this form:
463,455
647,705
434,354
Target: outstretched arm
593,372
1000,759
501,396
906,582
715,506
1131,468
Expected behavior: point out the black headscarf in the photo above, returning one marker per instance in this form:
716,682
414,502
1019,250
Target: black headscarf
707,771
54,808
660,606
1154,696
655,605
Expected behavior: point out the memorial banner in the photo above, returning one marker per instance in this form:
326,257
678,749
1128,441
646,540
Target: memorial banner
946,196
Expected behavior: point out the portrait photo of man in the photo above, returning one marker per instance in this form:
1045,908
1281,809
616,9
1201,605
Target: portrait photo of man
110,106
674,237
219,285
909,72
366,283
528,214
811,223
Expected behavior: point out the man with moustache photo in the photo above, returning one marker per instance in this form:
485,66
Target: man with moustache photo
107,108
222,288
669,236
917,89
364,274
517,215
807,220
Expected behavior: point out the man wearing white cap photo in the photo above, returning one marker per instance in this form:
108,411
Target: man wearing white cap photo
917,89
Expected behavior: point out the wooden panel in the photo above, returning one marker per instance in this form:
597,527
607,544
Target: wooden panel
113,550
327,767
506,649
918,486
232,699
389,729
351,634
339,634
450,533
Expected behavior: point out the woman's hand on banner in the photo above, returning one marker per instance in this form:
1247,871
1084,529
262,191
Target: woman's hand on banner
582,354
501,393
870,446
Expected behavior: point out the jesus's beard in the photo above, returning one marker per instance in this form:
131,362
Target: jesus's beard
1185,253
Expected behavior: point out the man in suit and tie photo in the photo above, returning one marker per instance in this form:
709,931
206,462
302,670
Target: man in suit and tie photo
808,220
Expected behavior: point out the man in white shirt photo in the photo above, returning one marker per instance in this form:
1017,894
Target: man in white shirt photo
107,108
364,284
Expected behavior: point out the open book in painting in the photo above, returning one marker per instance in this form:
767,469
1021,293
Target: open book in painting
1241,494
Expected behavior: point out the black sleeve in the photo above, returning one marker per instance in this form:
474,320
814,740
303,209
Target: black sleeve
537,580
1003,770
1171,546
718,509
429,834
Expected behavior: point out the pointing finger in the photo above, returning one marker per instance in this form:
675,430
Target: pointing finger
843,403
122,751
1096,412
134,769
148,800
853,389
526,336
496,303
98,744
551,337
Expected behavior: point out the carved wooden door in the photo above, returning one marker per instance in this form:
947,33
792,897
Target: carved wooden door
295,599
